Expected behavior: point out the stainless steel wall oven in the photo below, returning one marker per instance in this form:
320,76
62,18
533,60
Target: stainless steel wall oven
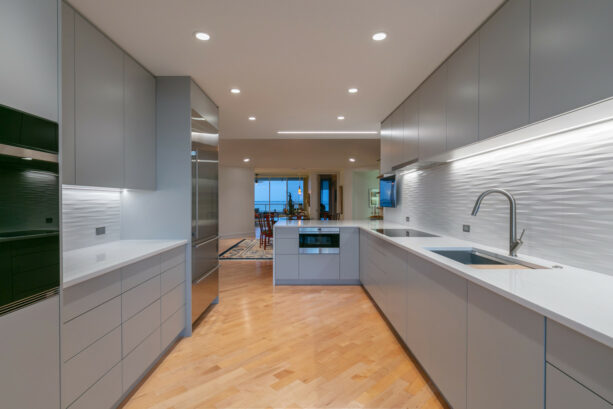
319,240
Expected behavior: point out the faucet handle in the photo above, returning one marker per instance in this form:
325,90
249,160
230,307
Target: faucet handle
521,236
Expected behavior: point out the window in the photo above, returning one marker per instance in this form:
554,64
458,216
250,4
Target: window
272,194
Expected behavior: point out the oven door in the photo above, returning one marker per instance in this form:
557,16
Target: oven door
319,240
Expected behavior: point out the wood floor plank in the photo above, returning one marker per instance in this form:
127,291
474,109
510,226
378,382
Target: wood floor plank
286,347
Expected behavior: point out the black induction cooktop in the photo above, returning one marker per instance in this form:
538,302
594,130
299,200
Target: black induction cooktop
404,233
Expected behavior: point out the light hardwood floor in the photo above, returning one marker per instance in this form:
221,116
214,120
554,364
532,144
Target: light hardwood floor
286,347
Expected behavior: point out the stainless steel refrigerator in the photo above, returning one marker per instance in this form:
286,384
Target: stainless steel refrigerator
205,223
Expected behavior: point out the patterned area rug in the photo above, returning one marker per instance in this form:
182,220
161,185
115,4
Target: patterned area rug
247,250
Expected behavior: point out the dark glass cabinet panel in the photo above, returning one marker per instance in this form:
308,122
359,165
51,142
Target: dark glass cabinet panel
20,129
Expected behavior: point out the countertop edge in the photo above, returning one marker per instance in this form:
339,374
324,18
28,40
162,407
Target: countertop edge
122,263
580,327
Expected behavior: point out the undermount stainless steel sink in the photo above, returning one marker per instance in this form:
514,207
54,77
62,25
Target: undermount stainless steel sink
483,259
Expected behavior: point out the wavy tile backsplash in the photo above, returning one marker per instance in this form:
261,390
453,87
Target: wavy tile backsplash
564,190
83,210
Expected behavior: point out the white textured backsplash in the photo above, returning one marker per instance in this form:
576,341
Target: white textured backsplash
563,185
85,209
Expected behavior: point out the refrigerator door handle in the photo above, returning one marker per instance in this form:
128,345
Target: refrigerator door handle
206,241
207,274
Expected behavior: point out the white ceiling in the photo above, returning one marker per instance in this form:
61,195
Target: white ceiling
293,59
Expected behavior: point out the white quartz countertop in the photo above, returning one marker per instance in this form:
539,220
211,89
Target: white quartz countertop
89,262
578,298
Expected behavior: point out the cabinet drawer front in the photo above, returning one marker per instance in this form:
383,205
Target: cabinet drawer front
563,392
83,370
286,267
139,272
140,326
136,363
286,233
173,326
89,294
319,266
389,257
587,361
104,394
172,301
286,246
173,277
139,297
87,328
172,258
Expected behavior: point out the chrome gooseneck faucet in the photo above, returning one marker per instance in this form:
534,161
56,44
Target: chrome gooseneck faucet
514,242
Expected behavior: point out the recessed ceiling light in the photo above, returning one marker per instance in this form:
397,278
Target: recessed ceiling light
351,159
235,90
202,36
379,36
352,90
252,118
340,117
328,132
247,160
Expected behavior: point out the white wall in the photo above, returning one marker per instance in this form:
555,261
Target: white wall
83,210
236,207
563,189
362,182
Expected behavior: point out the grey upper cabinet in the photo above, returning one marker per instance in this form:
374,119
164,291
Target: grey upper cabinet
410,129
571,56
432,114
396,153
29,50
463,95
68,95
98,108
385,138
506,353
139,127
504,70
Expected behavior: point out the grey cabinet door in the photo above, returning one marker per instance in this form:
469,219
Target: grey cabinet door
68,88
29,50
463,95
139,126
396,153
385,138
563,392
350,254
436,326
30,356
571,58
98,108
432,114
506,353
410,128
504,70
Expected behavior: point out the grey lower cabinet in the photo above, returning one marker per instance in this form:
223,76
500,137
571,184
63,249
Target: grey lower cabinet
108,111
319,267
586,362
569,66
117,325
463,95
29,49
563,392
504,70
98,107
30,356
432,114
506,353
436,325
350,254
